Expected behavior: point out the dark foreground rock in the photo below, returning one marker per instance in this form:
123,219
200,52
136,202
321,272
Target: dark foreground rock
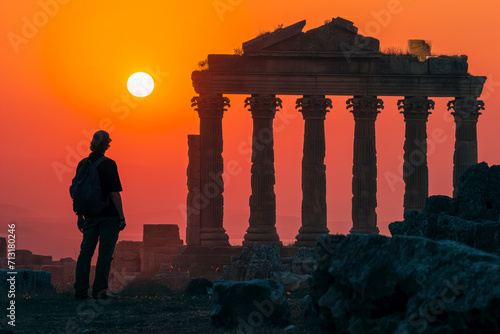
250,305
471,218
28,282
377,284
255,262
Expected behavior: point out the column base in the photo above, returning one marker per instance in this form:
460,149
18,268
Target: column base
214,237
308,235
262,235
365,230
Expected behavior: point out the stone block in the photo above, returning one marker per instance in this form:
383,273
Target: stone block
127,255
451,65
418,68
399,64
164,258
133,265
27,282
162,241
23,257
133,246
167,230
56,271
41,259
3,248
3,263
67,260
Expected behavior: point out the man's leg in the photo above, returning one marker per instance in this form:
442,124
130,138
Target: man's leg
108,235
87,248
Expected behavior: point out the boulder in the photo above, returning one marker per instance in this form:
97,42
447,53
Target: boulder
28,282
405,284
479,193
249,305
470,218
484,235
303,261
291,281
255,261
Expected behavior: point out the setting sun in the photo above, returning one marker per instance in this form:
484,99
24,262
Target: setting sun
140,84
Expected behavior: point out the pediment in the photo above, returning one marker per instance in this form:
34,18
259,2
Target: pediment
338,35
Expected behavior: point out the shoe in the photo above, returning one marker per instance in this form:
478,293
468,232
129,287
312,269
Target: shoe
104,296
82,297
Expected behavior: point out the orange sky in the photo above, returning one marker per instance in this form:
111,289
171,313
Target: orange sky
64,66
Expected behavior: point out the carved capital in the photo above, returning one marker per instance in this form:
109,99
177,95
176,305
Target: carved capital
263,106
466,109
210,106
365,107
314,107
416,108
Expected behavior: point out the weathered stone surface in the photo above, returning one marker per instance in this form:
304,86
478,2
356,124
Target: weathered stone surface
164,230
441,205
291,281
303,261
338,35
41,259
484,235
134,246
56,271
27,282
23,257
405,284
479,192
471,218
255,261
448,65
67,260
248,306
193,198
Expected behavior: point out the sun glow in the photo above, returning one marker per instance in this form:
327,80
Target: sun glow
140,84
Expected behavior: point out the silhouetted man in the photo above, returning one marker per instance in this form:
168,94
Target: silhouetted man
102,224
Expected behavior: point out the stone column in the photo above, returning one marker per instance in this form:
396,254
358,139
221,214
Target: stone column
262,220
466,113
313,109
193,197
364,181
415,170
211,109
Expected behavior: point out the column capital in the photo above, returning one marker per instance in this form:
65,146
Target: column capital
365,107
314,106
263,106
210,106
416,107
466,108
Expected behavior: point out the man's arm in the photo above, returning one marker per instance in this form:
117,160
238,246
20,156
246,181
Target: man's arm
117,201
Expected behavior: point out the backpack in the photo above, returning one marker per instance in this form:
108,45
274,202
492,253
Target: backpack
85,189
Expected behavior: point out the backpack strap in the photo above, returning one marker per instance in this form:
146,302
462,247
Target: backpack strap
99,161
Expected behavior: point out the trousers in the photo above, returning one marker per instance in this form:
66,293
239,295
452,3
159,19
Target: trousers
105,231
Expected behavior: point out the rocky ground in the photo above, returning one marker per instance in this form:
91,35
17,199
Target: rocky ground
144,307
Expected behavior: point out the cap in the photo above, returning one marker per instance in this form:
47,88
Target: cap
101,137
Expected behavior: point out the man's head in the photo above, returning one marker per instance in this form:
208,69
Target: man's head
100,142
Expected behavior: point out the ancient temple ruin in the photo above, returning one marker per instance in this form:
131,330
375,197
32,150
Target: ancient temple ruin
329,60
